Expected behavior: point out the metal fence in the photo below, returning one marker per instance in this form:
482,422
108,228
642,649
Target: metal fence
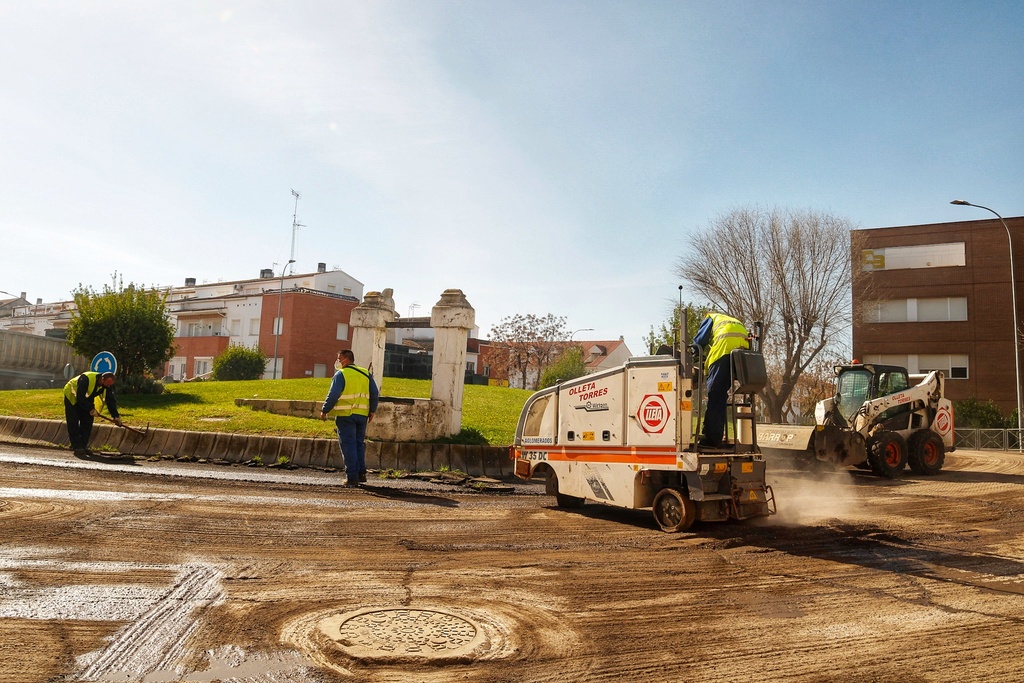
996,439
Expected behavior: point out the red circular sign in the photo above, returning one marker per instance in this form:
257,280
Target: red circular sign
653,414
942,421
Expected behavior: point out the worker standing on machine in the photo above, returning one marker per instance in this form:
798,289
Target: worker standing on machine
718,335
80,394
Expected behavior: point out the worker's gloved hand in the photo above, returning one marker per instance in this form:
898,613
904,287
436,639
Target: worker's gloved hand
323,416
93,412
117,421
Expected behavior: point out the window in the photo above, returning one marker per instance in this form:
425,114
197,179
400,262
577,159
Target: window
918,256
852,387
278,326
236,327
343,331
176,367
892,382
953,366
254,327
202,366
886,311
942,309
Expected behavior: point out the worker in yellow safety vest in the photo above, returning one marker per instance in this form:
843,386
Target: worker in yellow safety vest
84,397
352,400
718,335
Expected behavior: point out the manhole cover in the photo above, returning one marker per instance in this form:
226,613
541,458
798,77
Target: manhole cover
405,634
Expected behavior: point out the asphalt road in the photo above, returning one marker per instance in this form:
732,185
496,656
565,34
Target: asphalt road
158,572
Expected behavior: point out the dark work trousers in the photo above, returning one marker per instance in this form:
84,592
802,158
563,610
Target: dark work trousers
79,425
719,379
352,439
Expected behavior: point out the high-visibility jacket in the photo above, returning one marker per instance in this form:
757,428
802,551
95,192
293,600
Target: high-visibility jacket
727,333
96,391
355,396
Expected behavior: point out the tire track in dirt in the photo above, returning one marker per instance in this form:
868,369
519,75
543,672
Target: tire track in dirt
155,641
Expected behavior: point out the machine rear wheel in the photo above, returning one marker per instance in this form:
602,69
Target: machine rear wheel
562,500
887,454
673,510
927,452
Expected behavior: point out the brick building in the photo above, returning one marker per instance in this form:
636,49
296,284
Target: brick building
938,297
312,326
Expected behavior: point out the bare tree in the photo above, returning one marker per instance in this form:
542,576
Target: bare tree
789,269
526,344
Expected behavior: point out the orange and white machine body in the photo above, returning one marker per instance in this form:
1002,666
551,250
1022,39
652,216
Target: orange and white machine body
624,437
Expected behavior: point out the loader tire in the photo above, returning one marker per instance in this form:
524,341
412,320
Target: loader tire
927,452
673,510
562,500
887,454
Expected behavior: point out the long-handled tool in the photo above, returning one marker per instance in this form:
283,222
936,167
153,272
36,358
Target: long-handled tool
124,426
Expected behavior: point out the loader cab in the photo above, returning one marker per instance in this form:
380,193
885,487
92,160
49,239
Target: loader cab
858,383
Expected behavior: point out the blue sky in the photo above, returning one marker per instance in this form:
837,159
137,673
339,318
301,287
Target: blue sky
544,157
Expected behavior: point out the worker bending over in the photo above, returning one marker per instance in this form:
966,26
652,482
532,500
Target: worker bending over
81,406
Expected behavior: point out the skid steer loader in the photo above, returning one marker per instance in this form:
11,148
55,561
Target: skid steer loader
876,421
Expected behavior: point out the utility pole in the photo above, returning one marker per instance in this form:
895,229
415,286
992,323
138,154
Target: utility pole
295,226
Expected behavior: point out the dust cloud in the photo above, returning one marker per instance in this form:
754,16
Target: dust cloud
805,498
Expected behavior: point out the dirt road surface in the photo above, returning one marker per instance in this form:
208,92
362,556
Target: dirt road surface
153,573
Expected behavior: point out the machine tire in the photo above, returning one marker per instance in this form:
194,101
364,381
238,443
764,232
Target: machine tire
673,510
927,452
887,454
562,500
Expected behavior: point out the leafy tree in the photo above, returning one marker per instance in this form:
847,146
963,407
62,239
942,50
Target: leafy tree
667,334
526,344
789,269
130,322
569,365
239,362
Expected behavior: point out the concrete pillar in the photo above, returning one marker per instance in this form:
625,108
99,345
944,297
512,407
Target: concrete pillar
452,318
369,326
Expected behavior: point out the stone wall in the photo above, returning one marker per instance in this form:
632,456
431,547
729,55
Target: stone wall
396,419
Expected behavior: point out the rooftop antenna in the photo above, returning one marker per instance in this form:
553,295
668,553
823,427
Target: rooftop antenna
295,226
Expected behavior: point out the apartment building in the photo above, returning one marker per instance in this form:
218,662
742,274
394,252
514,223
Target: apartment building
939,297
300,321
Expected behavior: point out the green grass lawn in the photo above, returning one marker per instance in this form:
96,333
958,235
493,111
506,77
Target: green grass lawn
210,406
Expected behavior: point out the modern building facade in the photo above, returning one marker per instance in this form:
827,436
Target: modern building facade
938,297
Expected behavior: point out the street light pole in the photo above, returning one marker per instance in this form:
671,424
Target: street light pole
278,325
1013,300
582,329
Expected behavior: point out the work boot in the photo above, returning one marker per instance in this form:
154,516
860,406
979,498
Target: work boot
351,484
362,476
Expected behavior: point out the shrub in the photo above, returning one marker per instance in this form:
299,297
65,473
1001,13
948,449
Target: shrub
139,384
972,413
239,363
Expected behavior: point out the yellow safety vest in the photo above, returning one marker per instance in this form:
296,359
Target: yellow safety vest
71,389
355,397
727,333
